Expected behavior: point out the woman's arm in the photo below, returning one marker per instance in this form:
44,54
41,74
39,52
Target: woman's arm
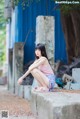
37,63
22,77
34,65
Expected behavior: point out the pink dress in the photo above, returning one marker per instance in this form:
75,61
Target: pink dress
47,70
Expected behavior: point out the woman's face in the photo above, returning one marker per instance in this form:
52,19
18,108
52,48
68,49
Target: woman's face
38,53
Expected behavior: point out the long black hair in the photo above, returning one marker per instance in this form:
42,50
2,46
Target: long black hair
41,47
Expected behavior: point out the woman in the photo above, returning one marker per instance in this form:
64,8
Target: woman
41,70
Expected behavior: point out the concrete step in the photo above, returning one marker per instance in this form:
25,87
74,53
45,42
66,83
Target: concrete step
3,80
56,105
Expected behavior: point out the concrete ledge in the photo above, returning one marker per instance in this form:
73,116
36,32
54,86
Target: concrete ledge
3,80
56,105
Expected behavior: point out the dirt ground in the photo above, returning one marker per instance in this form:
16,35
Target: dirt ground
66,91
15,105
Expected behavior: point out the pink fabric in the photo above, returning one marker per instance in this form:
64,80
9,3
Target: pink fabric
46,69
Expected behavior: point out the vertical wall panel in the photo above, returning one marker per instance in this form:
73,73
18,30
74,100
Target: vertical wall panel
12,29
26,20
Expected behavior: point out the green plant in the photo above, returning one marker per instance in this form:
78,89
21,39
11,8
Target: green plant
24,3
2,33
67,5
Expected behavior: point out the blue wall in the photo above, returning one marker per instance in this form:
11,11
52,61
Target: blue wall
26,21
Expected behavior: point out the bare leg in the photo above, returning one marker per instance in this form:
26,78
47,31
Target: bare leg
40,77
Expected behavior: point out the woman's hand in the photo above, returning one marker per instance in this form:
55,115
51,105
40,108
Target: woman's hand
20,80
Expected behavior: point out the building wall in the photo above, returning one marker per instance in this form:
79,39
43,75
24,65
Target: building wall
24,25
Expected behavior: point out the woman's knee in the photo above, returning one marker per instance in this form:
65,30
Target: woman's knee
34,71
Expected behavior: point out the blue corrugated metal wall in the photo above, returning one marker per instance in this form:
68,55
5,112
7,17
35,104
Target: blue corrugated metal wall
26,20
13,26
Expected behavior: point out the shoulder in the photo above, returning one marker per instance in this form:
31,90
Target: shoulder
43,58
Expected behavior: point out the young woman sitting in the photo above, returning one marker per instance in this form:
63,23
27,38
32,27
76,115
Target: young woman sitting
41,70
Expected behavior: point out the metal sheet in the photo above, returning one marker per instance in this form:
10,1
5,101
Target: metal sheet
26,20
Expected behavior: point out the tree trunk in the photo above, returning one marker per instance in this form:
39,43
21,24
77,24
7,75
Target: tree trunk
71,29
69,35
76,24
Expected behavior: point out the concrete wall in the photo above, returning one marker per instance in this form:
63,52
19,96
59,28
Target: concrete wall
10,70
18,55
56,105
15,71
45,30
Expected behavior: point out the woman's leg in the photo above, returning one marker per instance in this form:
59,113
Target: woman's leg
40,77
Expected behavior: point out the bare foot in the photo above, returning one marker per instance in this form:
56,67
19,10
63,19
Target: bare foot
41,89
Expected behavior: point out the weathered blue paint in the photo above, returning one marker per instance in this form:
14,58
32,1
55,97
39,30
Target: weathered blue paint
12,30
60,46
26,21
19,24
